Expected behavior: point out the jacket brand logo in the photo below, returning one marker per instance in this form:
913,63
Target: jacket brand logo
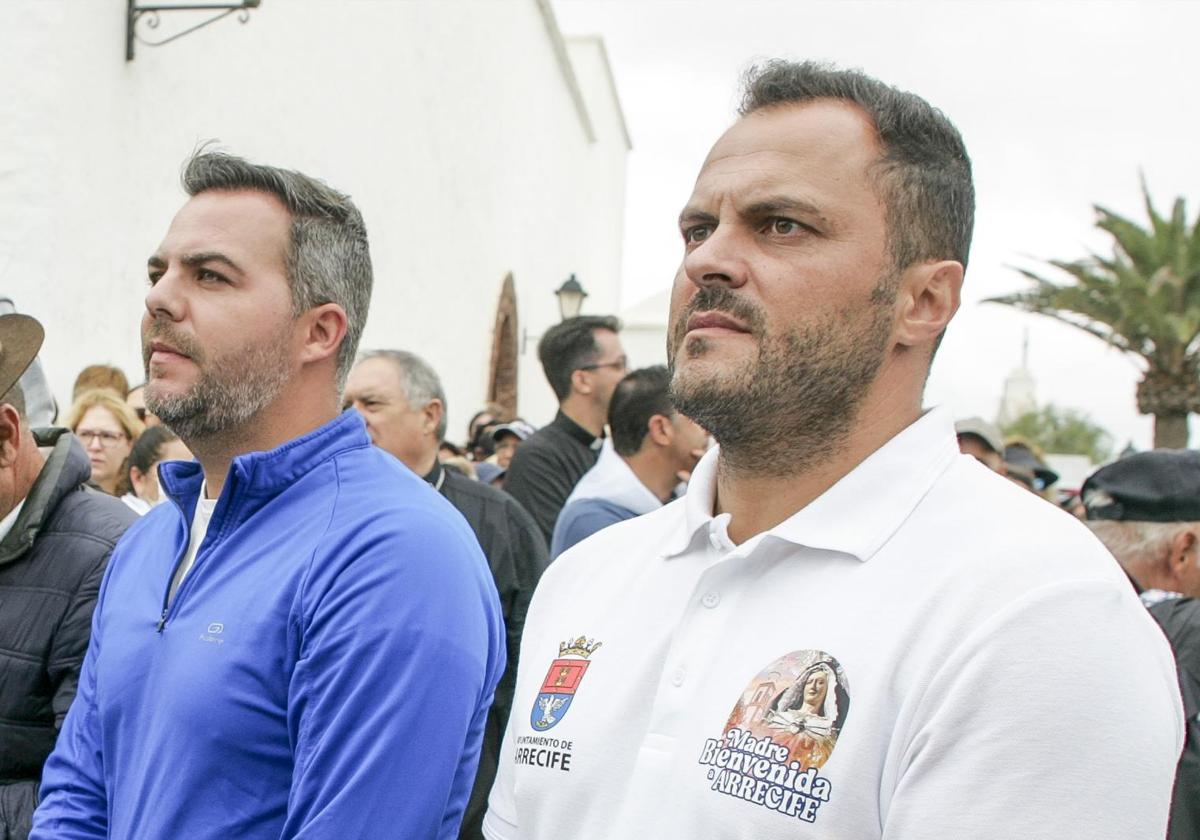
213,633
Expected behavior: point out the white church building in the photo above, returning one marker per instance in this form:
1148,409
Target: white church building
486,151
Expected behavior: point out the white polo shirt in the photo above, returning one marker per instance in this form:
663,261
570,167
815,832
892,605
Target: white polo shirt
924,651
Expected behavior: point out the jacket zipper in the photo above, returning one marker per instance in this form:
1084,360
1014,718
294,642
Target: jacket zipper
162,619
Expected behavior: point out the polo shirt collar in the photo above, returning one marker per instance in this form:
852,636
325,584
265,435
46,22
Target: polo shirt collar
860,512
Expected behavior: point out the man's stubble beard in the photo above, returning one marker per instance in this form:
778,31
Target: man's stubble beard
794,405
231,389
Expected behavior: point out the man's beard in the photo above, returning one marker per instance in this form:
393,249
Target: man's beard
232,388
794,406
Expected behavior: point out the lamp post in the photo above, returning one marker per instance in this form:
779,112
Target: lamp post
570,298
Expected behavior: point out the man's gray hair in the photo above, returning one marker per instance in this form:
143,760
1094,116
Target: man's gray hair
1137,544
327,261
418,380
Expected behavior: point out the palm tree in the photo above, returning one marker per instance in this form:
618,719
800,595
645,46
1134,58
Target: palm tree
1144,300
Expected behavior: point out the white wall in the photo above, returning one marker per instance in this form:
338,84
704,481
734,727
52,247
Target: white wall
451,123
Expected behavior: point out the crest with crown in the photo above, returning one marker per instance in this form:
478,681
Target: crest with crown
582,646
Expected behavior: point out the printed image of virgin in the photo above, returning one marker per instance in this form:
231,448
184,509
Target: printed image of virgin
807,715
800,702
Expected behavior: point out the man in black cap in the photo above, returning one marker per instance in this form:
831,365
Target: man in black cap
1146,509
56,535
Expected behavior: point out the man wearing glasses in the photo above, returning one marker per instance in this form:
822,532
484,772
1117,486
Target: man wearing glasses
583,361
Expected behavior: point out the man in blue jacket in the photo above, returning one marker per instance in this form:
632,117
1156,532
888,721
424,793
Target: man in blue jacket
306,642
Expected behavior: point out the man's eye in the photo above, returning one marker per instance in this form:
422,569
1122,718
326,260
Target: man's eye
695,234
785,227
154,277
210,276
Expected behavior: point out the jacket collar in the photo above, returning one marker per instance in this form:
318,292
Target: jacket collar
66,468
858,514
257,477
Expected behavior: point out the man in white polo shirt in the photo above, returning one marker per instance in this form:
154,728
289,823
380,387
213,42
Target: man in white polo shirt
846,629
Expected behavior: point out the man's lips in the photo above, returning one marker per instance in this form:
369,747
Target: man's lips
164,352
715,321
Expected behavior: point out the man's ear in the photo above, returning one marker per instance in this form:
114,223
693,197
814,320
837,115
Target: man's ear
581,382
324,329
1182,554
928,297
10,435
660,430
431,416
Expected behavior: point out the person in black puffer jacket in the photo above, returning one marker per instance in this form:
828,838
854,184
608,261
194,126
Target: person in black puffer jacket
56,535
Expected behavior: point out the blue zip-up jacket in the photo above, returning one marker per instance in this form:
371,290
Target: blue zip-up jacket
324,670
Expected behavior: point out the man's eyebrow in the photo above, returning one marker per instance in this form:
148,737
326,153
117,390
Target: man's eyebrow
782,204
693,214
202,257
192,260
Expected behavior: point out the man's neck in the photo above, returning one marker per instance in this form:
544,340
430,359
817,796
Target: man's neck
758,500
653,471
585,413
423,465
272,427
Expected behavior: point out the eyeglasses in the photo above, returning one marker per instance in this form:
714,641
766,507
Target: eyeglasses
620,364
107,439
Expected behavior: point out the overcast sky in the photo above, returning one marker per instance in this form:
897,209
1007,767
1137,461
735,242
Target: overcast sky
1060,103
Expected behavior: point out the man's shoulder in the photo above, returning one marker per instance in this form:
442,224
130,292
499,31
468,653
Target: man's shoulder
89,514
545,441
621,550
982,517
593,511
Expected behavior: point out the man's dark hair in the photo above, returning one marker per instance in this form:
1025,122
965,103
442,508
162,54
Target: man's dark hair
570,345
924,175
328,260
639,396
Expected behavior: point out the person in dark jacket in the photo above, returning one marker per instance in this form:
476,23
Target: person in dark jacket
583,362
402,400
56,535
1145,508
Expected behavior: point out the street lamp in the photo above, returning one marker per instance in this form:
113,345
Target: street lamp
570,298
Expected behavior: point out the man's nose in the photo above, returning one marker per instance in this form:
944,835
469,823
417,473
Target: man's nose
165,299
721,259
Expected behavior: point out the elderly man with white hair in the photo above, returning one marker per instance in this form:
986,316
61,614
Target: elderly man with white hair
1146,510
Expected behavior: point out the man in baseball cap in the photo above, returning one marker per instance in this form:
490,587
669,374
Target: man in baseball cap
981,440
1146,509
56,535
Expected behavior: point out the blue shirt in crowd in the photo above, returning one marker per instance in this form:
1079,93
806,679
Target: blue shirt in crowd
323,671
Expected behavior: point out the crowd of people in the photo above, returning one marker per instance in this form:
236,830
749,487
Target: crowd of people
760,591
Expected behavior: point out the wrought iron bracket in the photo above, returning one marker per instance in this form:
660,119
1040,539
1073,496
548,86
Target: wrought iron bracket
134,13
